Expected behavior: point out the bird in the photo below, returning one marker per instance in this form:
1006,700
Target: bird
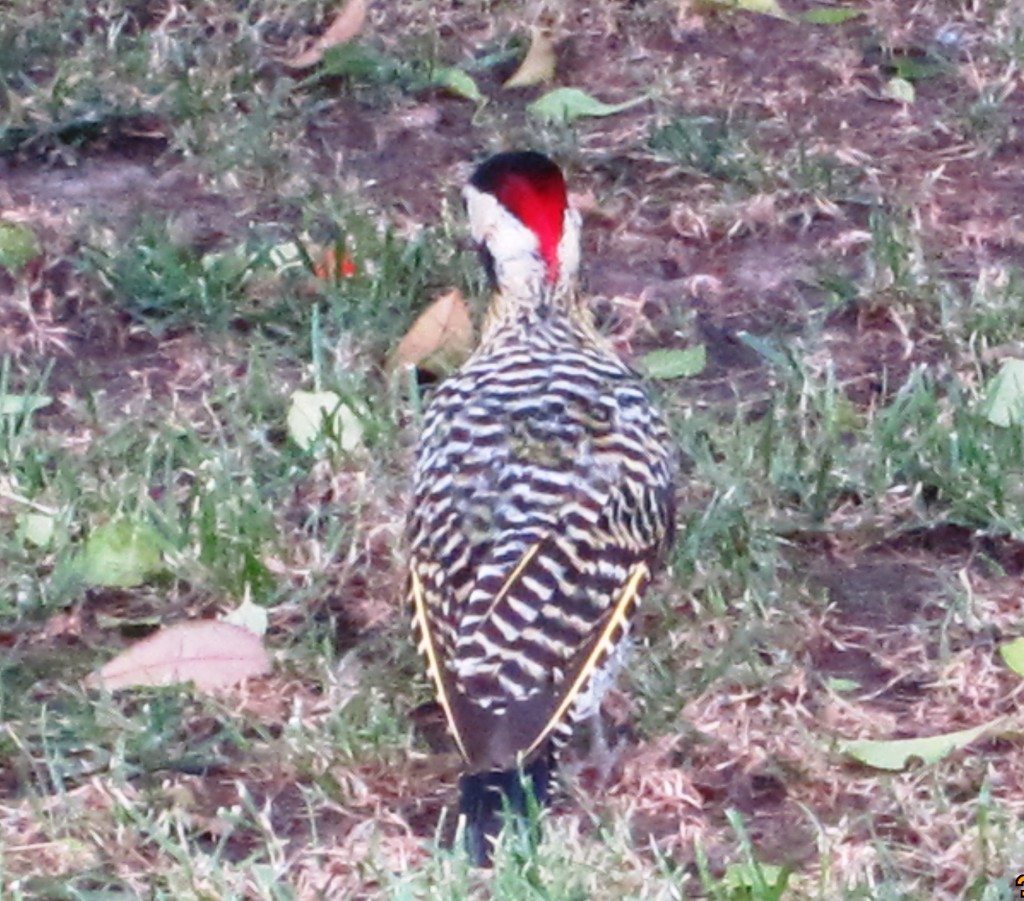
542,505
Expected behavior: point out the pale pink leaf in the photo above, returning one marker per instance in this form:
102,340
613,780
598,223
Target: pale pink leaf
210,653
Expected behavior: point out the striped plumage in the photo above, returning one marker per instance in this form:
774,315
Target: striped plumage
542,501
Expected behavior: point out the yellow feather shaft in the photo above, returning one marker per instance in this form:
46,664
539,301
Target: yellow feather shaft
506,586
420,606
617,618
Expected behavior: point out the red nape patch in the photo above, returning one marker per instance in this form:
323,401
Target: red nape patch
532,188
540,206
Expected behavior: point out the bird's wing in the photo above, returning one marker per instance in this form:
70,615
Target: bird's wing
526,562
546,605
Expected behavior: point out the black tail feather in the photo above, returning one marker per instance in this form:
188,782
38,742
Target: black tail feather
490,799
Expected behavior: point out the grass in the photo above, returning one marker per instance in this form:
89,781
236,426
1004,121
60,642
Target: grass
850,519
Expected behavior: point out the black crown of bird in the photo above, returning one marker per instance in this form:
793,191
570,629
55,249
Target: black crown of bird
542,505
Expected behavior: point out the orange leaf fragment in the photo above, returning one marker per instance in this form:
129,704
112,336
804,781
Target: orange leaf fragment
346,25
331,267
210,653
441,338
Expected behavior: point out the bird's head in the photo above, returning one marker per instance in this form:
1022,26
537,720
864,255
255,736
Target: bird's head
519,215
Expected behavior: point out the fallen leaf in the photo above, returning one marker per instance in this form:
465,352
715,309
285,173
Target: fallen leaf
830,15
316,414
1012,653
569,104
249,616
901,90
357,61
895,755
67,624
18,404
457,82
764,7
208,653
440,339
335,266
38,528
539,63
755,879
673,363
585,202
346,25
711,7
1004,395
18,245
120,554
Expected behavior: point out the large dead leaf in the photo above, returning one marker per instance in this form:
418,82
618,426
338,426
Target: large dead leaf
209,653
539,63
440,339
346,25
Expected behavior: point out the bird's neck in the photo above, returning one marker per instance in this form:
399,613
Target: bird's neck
534,297
519,312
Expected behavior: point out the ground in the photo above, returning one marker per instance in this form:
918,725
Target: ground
832,207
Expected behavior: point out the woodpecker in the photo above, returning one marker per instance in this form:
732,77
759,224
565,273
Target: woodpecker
542,504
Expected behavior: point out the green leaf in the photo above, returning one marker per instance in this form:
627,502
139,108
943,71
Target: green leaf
356,61
747,878
840,685
895,755
900,89
764,7
1012,653
249,616
20,404
768,348
1004,397
121,554
458,82
912,68
569,104
38,528
830,16
18,245
323,414
675,364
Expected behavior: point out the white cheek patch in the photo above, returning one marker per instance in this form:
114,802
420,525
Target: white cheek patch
494,226
482,212
569,247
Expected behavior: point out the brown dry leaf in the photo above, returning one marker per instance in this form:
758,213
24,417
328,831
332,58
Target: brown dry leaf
346,25
586,204
210,653
440,339
539,63
66,624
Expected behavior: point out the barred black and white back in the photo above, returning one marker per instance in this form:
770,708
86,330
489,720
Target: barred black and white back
542,502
